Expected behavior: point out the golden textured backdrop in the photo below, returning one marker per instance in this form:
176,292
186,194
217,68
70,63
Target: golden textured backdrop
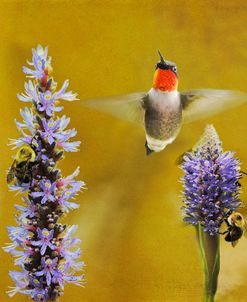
135,246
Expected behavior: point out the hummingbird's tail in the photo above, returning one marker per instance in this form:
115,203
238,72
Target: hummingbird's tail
148,150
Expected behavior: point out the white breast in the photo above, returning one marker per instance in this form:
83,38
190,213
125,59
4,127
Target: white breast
164,98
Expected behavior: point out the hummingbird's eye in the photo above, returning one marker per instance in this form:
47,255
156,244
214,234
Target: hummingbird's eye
174,69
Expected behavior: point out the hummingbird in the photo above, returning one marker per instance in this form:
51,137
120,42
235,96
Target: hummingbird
163,109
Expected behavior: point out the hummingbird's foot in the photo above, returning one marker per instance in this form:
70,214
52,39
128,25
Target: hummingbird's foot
148,150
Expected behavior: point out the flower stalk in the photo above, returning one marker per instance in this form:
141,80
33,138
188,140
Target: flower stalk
43,247
209,248
211,192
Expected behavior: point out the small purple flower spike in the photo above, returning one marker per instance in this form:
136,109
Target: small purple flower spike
210,183
45,249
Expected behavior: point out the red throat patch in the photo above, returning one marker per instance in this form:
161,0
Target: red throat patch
165,80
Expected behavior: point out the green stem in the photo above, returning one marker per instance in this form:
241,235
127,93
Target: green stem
209,247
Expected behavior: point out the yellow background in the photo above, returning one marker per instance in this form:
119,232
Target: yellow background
134,244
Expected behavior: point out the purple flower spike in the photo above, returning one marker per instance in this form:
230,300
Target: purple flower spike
44,249
211,187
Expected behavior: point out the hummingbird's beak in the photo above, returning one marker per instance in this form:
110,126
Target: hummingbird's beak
161,58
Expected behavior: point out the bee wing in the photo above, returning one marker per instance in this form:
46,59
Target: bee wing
199,104
11,173
245,229
127,107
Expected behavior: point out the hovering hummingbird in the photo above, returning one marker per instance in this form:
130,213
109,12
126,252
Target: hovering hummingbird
164,109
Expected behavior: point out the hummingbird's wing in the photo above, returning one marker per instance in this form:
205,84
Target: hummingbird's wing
128,107
199,104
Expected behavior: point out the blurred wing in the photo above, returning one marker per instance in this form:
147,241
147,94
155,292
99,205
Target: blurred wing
127,107
199,104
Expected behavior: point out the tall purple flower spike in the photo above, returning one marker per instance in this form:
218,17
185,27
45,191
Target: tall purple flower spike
45,249
211,186
211,192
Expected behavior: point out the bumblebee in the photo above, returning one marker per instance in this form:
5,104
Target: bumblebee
236,227
21,168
